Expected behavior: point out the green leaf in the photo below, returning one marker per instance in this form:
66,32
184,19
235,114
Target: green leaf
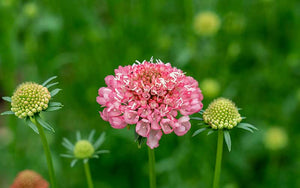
102,151
78,136
50,85
210,132
31,125
44,123
99,141
55,104
54,92
7,113
49,80
8,99
67,155
67,144
227,139
199,131
91,136
74,161
53,108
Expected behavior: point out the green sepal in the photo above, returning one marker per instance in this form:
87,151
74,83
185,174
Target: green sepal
50,85
91,136
102,151
201,112
31,125
55,104
49,80
197,118
95,156
199,131
139,140
8,99
99,141
74,161
78,136
67,156
44,123
227,139
247,127
210,132
53,108
67,144
7,113
54,92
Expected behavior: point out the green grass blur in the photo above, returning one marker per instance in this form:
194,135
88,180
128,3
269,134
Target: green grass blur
253,59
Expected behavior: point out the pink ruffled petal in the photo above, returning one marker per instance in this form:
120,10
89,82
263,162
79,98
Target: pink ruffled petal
101,100
143,127
153,138
185,125
131,117
104,115
166,126
110,81
117,122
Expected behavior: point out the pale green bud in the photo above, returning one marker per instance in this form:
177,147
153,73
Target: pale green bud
27,99
222,113
83,149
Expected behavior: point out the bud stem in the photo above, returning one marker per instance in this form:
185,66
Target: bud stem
47,152
216,181
88,174
152,177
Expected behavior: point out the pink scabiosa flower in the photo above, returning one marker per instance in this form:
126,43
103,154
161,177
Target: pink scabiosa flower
156,97
29,179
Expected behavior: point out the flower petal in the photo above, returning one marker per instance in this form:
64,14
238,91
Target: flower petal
117,122
166,125
143,127
153,138
185,125
131,117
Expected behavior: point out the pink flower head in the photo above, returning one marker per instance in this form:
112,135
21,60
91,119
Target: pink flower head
29,179
150,95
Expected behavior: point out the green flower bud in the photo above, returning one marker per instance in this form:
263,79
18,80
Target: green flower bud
27,99
222,114
83,149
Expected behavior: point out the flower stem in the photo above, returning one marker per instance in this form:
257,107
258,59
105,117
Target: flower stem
88,174
47,153
218,159
152,178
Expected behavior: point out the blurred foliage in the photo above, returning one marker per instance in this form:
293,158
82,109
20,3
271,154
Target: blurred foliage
254,58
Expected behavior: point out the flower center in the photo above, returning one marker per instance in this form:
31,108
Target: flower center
83,149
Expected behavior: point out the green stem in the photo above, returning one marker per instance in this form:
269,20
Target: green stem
88,174
47,153
218,159
152,177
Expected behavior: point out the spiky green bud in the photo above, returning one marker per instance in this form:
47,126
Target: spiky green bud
29,98
222,114
83,149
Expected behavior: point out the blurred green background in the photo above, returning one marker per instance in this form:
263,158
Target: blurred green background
251,58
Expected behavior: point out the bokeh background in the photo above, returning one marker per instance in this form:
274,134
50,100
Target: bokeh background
244,50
